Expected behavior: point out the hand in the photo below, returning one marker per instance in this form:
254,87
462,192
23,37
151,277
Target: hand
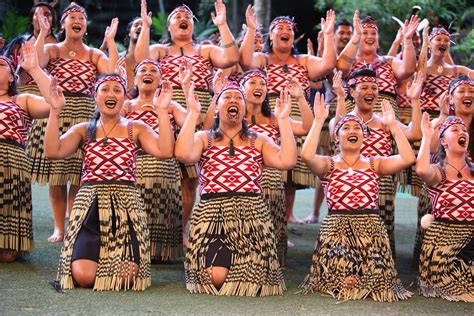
410,27
192,100
45,27
337,84
427,128
356,23
219,81
163,96
399,36
29,57
251,18
220,17
327,25
146,17
425,35
111,30
444,103
185,72
121,71
320,42
416,86
321,112
56,97
295,89
388,115
283,105
310,46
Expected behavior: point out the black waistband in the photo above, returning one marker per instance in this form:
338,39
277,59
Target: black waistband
449,221
354,212
127,183
76,94
12,142
208,196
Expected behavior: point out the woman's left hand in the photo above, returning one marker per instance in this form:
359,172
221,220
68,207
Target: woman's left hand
283,105
220,17
29,57
327,25
414,88
388,115
111,30
410,27
294,88
163,96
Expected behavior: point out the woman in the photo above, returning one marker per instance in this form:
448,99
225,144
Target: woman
179,48
16,113
352,257
446,263
107,243
283,63
75,65
158,180
232,246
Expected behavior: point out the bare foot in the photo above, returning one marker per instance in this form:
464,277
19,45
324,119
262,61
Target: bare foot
57,236
295,220
311,219
185,241
290,244
350,282
8,255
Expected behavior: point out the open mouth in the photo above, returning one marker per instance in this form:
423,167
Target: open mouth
462,141
285,38
353,139
110,103
467,102
233,114
369,100
183,25
257,94
442,49
76,28
370,42
147,80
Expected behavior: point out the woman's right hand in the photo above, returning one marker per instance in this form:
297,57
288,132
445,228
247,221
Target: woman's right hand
146,17
29,57
219,81
192,100
321,112
251,18
427,128
337,84
56,97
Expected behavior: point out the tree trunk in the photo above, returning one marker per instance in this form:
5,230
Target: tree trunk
263,11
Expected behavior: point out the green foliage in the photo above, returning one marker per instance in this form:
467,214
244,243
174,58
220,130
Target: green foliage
203,29
159,24
13,25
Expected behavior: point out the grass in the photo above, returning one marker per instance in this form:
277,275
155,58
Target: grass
24,287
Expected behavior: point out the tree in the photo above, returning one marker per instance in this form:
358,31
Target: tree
263,11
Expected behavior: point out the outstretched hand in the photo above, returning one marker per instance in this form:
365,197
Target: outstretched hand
220,16
321,111
294,88
283,105
163,96
29,57
111,30
56,97
251,18
192,100
327,25
185,73
357,24
337,84
145,16
388,114
410,27
415,87
427,128
219,81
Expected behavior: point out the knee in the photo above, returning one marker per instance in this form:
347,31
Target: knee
84,273
129,272
8,255
218,275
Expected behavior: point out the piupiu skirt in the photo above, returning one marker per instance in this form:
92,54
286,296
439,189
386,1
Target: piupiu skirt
244,226
122,229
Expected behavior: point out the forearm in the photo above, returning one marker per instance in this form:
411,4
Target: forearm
415,125
409,58
246,51
142,49
113,55
404,148
394,48
329,53
311,143
209,118
52,142
423,160
287,152
40,51
166,139
306,113
42,80
347,57
184,146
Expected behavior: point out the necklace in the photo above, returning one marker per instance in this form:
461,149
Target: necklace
231,144
72,53
148,105
286,69
253,118
349,169
106,138
365,124
181,48
440,69
459,174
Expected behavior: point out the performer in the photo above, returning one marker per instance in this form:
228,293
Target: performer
232,245
158,180
352,257
75,65
446,263
107,245
16,112
127,60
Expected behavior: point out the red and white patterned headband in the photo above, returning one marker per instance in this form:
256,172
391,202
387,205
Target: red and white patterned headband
459,83
282,20
253,73
354,81
74,8
182,8
231,85
115,78
450,121
148,61
348,118
438,31
370,25
10,64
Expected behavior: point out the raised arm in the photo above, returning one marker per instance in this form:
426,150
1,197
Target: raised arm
249,59
284,156
109,38
300,128
341,100
436,123
189,146
405,67
426,171
423,58
413,130
393,51
219,81
41,50
406,157
319,165
348,54
142,49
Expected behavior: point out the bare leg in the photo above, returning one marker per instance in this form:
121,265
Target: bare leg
84,272
188,192
318,201
73,189
290,192
58,199
218,275
129,273
7,255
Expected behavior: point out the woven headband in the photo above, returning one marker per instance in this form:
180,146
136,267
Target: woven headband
147,61
250,74
73,9
438,31
115,78
360,79
370,25
10,64
452,120
348,118
460,82
282,20
231,85
182,8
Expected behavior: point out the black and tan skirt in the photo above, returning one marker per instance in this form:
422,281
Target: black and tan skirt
79,108
16,232
159,184
300,175
387,208
120,207
424,207
274,198
352,259
245,227
444,271
325,136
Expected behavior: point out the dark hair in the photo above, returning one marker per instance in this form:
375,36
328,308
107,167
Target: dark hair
268,47
92,127
62,32
369,19
344,22
265,108
126,39
32,13
11,49
364,72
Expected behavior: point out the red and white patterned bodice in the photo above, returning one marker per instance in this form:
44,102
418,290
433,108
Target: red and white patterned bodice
115,161
453,199
267,129
386,79
202,70
403,101
14,122
356,191
378,143
278,78
220,173
74,75
150,118
433,88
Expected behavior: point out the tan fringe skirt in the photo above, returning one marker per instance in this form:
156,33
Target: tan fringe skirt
387,208
159,184
442,272
325,136
274,198
352,260
114,249
79,108
300,175
424,207
16,232
246,228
